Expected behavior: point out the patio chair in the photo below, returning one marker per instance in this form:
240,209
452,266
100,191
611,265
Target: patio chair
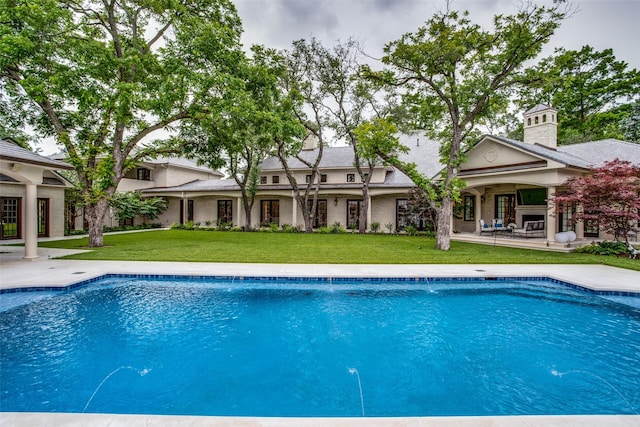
633,252
484,227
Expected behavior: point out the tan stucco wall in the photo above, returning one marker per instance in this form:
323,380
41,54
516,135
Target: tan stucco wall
56,205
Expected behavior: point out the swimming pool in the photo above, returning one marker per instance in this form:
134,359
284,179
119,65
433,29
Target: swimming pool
320,347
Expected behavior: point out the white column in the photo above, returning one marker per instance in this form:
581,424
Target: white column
294,211
477,213
237,220
551,215
31,222
369,213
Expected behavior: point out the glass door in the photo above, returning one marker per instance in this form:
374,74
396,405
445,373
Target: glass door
10,218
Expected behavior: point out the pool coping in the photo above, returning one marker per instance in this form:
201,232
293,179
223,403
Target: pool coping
60,273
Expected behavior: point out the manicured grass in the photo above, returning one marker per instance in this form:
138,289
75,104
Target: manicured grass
300,248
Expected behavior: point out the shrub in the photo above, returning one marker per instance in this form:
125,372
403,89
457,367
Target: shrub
411,230
288,228
176,226
389,226
188,225
605,247
336,228
375,227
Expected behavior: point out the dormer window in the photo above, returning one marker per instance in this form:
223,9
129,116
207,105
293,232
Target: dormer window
263,179
143,174
275,179
323,177
351,177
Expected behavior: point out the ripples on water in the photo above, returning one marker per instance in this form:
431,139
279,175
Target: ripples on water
484,348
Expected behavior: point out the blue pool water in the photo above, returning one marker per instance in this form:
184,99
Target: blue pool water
319,348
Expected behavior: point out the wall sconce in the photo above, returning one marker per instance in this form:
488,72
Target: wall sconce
335,202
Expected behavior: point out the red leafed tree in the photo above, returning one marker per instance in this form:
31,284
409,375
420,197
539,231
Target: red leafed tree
610,196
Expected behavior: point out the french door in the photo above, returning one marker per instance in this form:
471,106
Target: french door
10,215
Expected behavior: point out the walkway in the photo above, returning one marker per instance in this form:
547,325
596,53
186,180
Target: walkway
47,270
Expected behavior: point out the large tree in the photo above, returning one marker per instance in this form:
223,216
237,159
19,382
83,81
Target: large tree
609,196
250,122
592,91
102,77
455,73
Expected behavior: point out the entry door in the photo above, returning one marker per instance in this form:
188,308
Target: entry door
43,217
10,217
506,208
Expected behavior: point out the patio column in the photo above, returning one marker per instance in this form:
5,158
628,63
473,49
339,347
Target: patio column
478,212
551,215
369,212
237,220
31,222
294,210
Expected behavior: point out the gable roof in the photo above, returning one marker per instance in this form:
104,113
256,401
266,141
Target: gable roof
542,151
14,153
332,158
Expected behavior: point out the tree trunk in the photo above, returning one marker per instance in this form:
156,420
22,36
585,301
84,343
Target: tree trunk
362,218
95,217
443,236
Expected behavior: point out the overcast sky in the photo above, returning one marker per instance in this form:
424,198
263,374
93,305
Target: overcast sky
276,23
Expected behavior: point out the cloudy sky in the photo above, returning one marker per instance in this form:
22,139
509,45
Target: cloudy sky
276,23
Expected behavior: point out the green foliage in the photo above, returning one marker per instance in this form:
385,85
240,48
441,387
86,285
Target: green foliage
454,74
101,77
590,89
605,247
389,227
411,230
375,227
130,204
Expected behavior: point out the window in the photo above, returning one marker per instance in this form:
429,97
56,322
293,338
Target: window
269,212
351,177
320,218
544,118
565,213
307,179
505,208
403,218
11,215
365,177
353,213
263,179
225,211
275,179
536,119
189,211
43,217
529,121
323,177
469,208
143,174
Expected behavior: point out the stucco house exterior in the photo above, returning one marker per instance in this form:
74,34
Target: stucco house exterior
31,196
505,179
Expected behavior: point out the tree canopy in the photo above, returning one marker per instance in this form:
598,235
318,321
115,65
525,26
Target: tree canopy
103,77
610,196
592,91
452,74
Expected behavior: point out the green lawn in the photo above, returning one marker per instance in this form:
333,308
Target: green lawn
214,246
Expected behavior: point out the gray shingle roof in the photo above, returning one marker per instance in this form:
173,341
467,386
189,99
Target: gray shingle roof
199,185
14,153
596,153
539,107
332,158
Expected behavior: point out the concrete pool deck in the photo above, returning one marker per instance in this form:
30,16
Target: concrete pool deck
50,271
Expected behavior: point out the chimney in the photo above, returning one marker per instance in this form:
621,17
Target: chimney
310,142
541,126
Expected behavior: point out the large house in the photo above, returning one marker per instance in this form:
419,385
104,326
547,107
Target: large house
31,196
505,179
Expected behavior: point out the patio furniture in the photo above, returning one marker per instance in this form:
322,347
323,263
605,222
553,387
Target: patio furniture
484,227
531,229
633,252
